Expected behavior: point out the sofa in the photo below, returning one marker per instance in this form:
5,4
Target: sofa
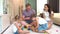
56,18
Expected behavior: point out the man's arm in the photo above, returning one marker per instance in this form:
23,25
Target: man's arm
34,12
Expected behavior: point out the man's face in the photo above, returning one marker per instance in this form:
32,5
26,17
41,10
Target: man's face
28,8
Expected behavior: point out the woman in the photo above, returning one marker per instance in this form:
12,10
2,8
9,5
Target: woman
48,14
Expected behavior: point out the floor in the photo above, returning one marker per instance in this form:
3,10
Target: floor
54,30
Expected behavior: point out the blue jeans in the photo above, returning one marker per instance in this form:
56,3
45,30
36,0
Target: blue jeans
43,27
29,21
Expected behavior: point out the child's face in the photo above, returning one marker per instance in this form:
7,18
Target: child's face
33,18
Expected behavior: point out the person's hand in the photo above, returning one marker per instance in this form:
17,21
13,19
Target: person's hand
21,31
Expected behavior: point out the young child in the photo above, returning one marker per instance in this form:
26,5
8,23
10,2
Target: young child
20,24
34,23
43,24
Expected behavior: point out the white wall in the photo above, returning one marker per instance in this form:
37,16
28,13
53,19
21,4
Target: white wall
40,5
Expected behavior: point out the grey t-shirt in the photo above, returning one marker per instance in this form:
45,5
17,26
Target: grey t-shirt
28,13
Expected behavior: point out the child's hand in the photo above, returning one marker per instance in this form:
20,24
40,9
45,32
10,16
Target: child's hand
20,31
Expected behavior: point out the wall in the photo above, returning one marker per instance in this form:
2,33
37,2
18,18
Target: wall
40,6
1,6
1,12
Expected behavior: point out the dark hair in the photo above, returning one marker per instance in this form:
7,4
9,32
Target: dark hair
17,17
41,15
28,4
48,8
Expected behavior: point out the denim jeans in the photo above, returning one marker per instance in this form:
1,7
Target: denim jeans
29,21
43,27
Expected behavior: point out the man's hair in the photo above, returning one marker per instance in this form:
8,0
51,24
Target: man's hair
28,5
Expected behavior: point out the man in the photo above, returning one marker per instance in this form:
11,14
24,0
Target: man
27,13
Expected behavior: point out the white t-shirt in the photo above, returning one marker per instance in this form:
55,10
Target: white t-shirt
14,26
41,20
46,13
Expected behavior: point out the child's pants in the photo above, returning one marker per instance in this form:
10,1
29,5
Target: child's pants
43,27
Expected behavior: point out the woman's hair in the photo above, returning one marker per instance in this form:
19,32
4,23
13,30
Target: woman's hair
48,8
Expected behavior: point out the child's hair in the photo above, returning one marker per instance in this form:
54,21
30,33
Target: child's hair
17,17
41,15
